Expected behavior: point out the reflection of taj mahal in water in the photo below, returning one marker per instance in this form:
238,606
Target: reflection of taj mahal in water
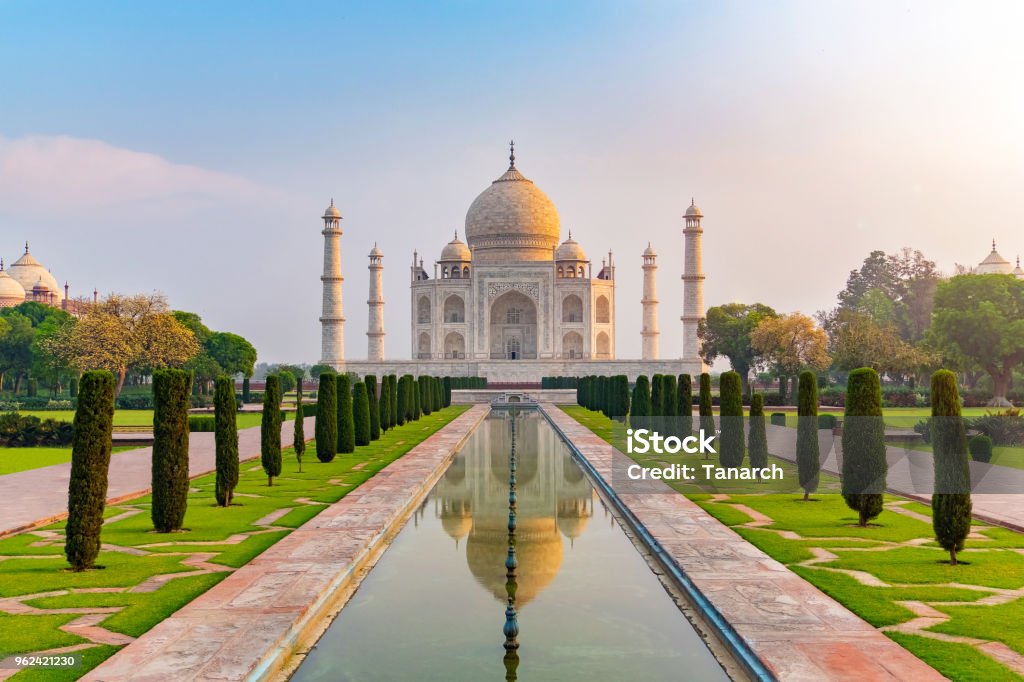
554,503
511,303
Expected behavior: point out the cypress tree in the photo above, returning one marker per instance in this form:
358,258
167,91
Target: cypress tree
225,418
403,400
620,399
640,406
326,428
951,499
385,403
270,429
757,438
361,414
669,396
374,401
172,390
393,380
73,388
657,402
684,404
299,435
807,453
346,421
447,391
414,391
706,406
90,463
245,390
438,393
730,441
864,463
426,400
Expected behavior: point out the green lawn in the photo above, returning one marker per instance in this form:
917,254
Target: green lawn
33,562
898,550
23,459
138,417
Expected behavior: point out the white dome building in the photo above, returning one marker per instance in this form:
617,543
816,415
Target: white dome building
36,280
11,292
994,264
511,291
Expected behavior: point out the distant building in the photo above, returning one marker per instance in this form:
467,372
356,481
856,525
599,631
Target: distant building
28,280
995,264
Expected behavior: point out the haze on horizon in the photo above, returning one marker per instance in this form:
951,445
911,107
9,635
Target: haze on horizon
190,148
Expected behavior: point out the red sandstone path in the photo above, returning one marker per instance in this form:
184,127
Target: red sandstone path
39,496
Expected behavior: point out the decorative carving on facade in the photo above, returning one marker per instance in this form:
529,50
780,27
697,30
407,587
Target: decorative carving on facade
495,289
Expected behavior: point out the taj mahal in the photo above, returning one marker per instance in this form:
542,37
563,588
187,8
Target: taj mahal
513,302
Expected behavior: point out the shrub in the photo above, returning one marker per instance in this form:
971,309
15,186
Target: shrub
981,448
424,392
777,418
33,388
684,404
137,402
270,429
361,415
372,398
18,430
864,463
246,393
447,390
201,423
757,438
299,433
640,405
730,441
326,427
90,463
394,401
657,400
620,396
73,388
827,422
808,457
414,398
951,499
669,395
171,390
1004,428
402,400
346,422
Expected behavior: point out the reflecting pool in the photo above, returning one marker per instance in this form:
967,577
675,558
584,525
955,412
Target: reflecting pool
576,601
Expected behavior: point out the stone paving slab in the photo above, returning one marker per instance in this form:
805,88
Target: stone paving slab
245,626
33,498
797,631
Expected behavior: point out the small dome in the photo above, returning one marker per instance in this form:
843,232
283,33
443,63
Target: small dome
570,250
375,252
29,272
456,249
11,293
1017,270
332,211
649,251
994,264
693,211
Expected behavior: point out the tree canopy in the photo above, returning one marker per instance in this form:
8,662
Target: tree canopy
791,343
726,332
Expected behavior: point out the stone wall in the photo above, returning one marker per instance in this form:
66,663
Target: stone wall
520,371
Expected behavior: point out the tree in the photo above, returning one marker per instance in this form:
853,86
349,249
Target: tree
669,396
620,397
951,499
16,346
979,319
90,463
288,375
346,423
864,462
361,415
245,390
403,401
225,415
326,426
385,403
727,332
857,340
684,404
757,438
172,389
807,454
232,352
374,401
316,370
730,442
299,435
414,395
705,406
270,429
640,406
424,392
657,400
394,401
791,343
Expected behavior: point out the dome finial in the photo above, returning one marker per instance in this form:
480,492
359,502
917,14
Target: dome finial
511,154
456,235
993,245
26,246
2,264
570,233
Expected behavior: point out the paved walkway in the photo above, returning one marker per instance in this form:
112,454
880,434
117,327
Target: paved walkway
792,627
999,490
36,497
246,626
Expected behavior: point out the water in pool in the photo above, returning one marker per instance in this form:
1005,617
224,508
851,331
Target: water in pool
586,604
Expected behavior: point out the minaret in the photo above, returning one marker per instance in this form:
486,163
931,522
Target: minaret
693,284
332,321
375,328
649,333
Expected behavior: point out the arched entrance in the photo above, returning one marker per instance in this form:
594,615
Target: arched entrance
572,345
513,327
454,346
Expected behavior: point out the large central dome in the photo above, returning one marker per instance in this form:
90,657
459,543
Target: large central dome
512,220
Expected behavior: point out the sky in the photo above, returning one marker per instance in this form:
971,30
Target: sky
189,148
